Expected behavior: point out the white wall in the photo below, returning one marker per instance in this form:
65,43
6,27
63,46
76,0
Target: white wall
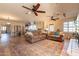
13,23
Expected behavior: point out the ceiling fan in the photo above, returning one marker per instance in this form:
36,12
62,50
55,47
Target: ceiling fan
63,14
58,14
54,18
35,9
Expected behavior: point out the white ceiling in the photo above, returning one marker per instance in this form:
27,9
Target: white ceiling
16,12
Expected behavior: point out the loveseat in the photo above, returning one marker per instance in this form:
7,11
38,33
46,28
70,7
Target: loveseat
55,37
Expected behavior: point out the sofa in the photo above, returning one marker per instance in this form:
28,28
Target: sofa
55,37
34,36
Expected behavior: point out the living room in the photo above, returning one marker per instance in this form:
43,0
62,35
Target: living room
48,28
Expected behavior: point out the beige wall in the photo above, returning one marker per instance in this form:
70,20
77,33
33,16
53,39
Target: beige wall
58,24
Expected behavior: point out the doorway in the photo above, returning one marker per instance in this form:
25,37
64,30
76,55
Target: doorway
6,29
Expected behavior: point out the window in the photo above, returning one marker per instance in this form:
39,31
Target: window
32,27
3,28
77,24
66,27
51,27
71,26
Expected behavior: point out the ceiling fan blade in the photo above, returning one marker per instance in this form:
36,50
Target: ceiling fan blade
58,14
35,13
53,19
26,8
56,18
71,17
64,14
26,13
36,7
41,11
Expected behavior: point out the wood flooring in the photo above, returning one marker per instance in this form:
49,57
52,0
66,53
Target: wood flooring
18,46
